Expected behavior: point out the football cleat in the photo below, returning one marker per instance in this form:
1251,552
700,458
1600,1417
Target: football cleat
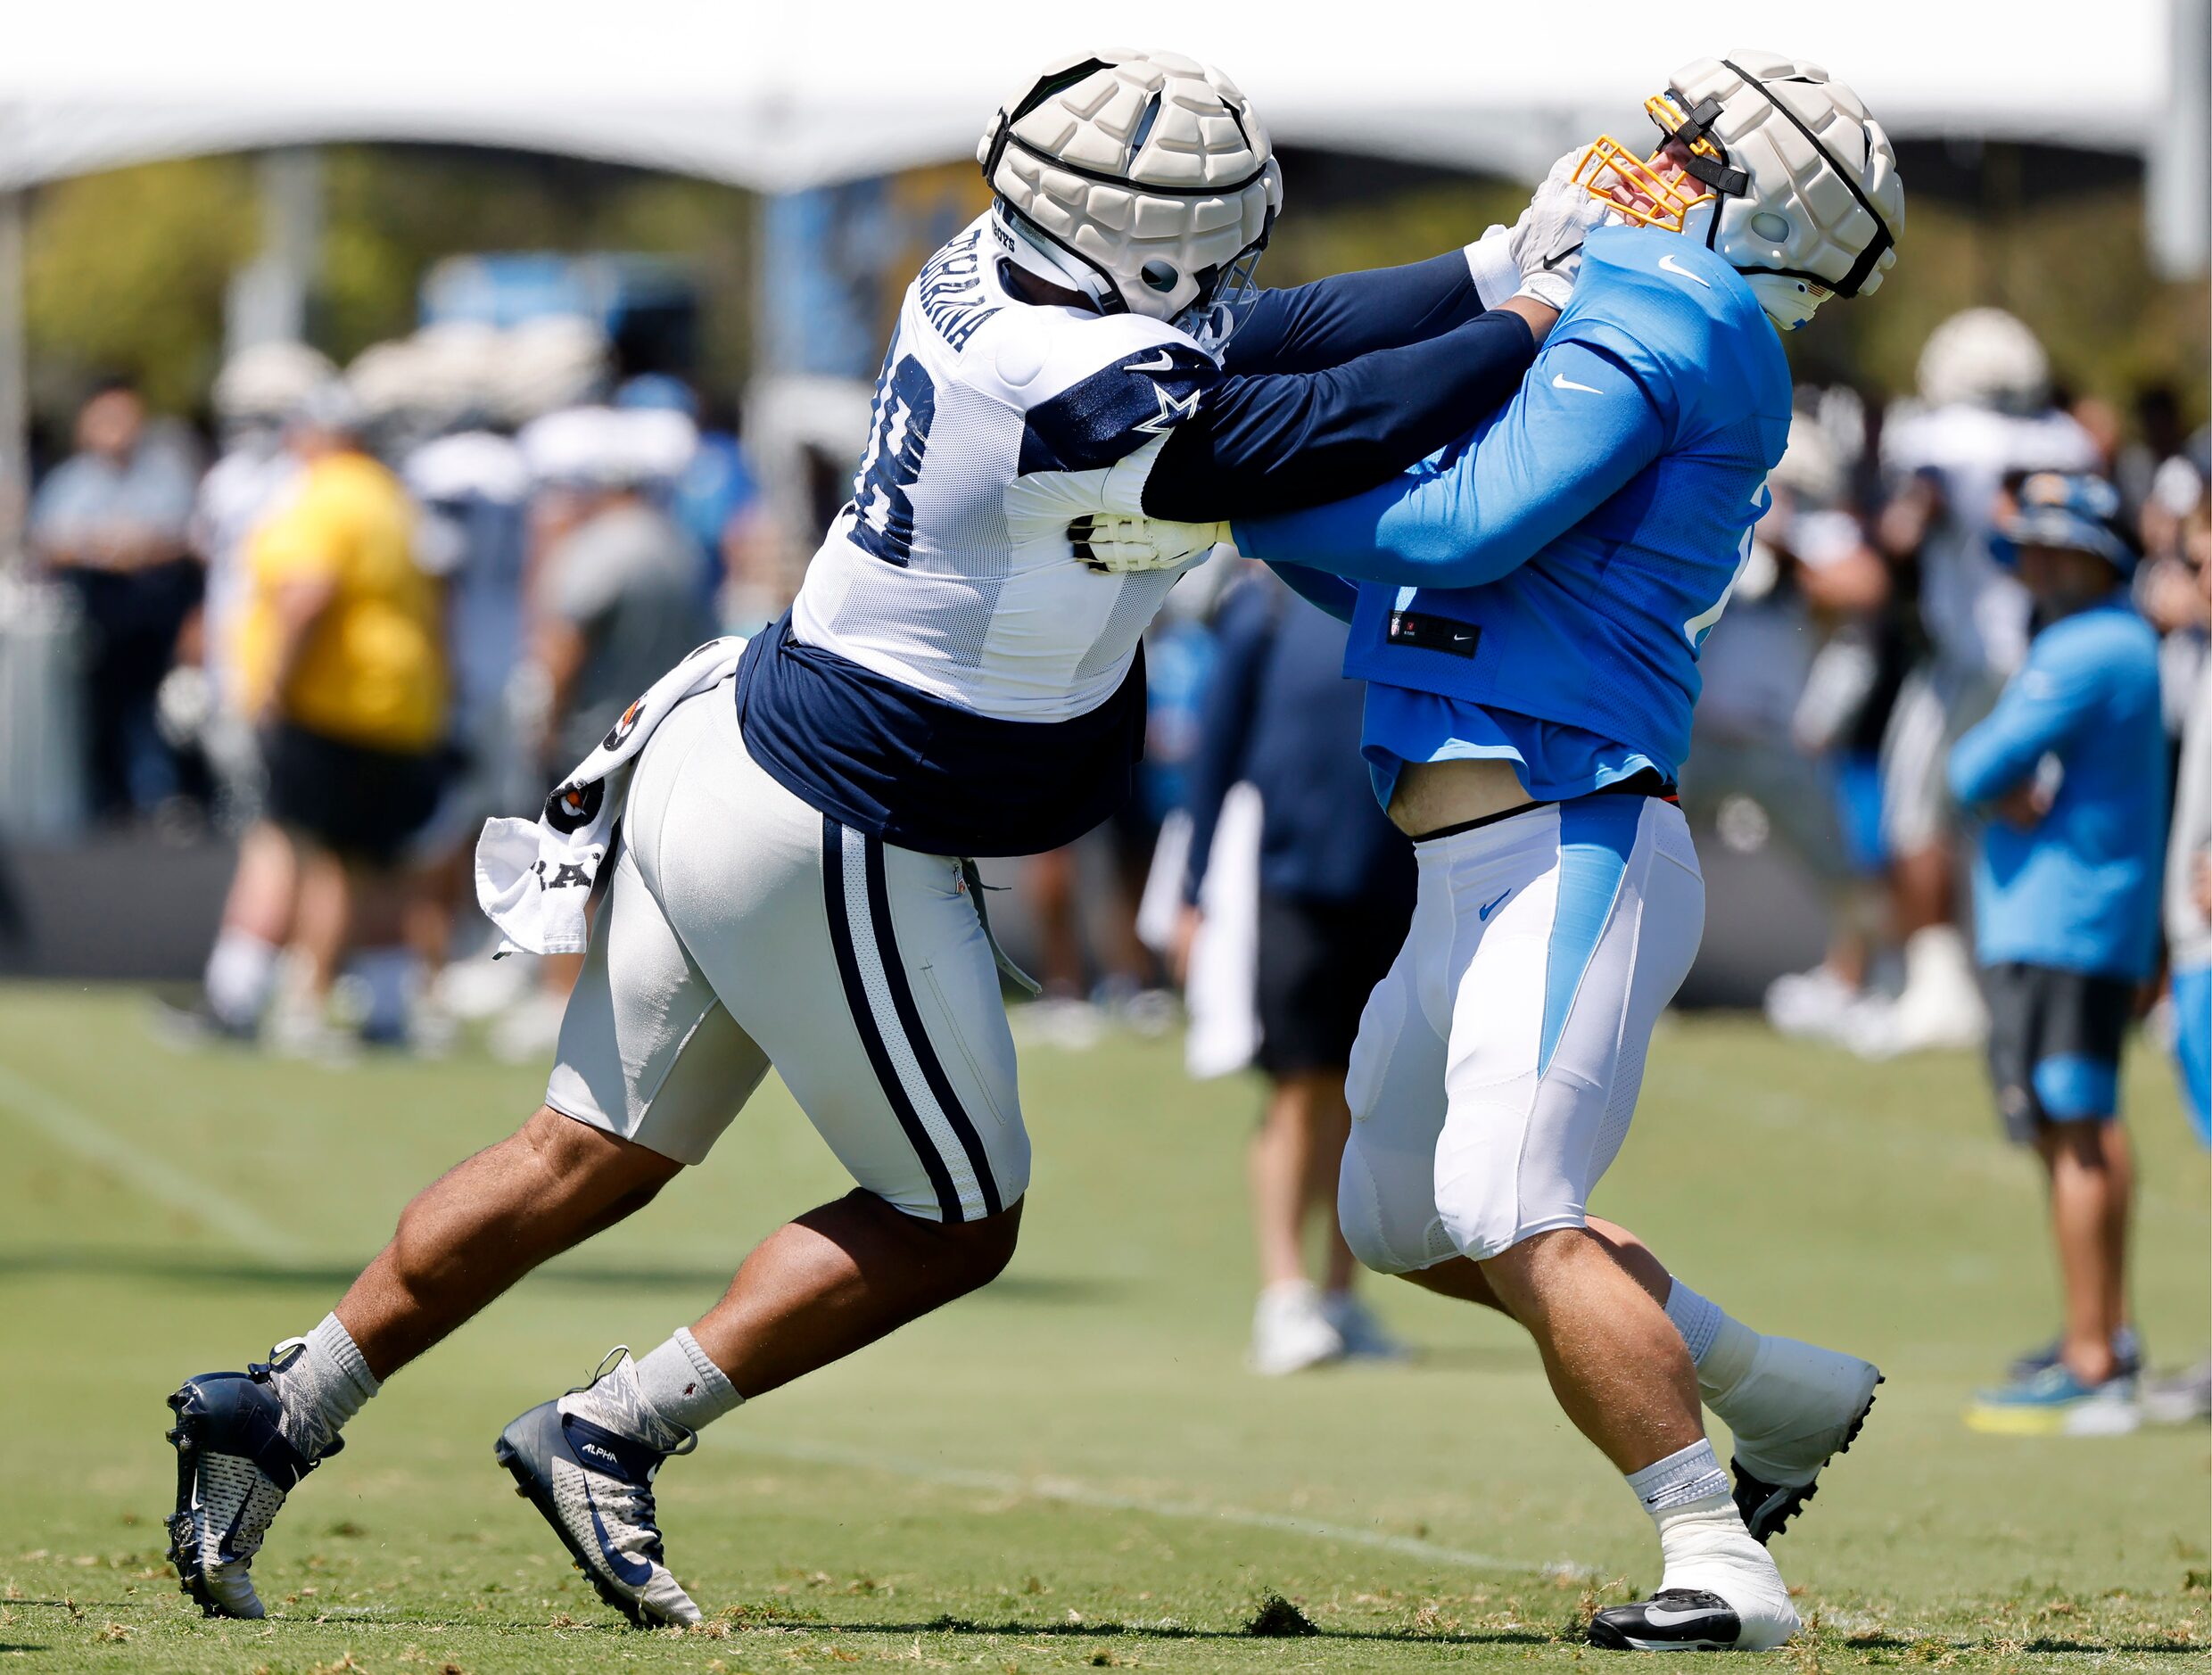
233,1469
1689,1620
595,1487
2127,1352
2056,1403
1289,1331
1798,1407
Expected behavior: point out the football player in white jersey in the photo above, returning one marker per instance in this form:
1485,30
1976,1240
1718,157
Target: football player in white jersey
793,884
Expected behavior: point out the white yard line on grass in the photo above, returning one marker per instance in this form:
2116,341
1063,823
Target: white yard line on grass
1075,1494
75,1130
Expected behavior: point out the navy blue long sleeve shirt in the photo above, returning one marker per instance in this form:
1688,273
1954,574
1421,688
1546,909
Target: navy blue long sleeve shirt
1280,715
1330,388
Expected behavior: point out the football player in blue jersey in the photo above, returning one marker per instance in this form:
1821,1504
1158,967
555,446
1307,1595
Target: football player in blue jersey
792,884
1527,608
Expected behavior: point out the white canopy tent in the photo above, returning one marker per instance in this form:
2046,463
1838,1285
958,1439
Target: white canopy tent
773,97
776,97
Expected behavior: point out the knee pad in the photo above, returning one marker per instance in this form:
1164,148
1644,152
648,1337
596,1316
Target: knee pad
1386,1207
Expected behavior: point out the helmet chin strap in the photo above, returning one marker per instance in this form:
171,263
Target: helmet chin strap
1790,302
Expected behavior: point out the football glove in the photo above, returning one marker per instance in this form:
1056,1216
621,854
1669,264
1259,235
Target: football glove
1547,241
1115,545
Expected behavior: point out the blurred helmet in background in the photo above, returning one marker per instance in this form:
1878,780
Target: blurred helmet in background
606,448
557,362
1813,468
1141,180
1984,358
1789,181
263,385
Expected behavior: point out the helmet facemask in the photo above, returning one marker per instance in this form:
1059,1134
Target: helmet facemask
1746,196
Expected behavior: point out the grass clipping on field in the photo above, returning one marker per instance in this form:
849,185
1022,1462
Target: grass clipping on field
1279,1620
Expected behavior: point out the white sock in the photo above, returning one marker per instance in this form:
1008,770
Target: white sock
1687,1477
323,1388
1701,1538
1721,1346
389,975
241,973
682,1387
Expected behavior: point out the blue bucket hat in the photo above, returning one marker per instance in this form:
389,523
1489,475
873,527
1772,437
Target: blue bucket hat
2073,513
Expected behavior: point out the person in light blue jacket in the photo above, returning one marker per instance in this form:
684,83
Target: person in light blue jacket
2068,772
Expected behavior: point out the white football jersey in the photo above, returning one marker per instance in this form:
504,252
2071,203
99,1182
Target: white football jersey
996,421
1975,609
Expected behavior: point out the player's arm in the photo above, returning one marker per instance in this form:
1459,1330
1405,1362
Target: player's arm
2047,709
1272,441
1304,328
1581,427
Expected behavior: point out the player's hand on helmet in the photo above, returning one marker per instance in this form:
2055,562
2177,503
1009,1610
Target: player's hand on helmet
1115,545
1547,241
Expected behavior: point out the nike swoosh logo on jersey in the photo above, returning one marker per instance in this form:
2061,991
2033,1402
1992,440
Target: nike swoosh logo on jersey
1661,1617
1166,364
1673,265
634,1571
1483,913
1560,381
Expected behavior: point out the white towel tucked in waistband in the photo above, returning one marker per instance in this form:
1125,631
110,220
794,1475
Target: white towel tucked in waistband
533,879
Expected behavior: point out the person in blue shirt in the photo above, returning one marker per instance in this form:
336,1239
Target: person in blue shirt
2068,772
1527,607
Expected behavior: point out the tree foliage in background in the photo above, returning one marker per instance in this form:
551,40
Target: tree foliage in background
128,270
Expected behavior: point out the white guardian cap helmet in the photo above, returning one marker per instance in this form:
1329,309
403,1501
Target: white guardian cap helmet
1774,166
1141,180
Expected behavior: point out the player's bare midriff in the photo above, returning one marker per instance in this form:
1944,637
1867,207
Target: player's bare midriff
1431,796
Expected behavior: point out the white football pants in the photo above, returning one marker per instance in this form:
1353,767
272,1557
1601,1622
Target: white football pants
743,928
1498,1064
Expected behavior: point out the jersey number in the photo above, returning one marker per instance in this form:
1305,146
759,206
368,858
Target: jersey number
1698,626
883,510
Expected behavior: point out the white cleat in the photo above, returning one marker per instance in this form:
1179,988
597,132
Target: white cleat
594,1484
1290,1334
1796,1408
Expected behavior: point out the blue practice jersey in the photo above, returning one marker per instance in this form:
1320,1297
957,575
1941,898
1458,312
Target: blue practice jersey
1540,590
2080,889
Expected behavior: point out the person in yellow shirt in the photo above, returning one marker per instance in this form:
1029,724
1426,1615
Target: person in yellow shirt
341,659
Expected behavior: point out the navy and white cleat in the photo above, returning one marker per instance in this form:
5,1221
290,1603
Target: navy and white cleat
1686,1619
233,1469
1798,1407
595,1487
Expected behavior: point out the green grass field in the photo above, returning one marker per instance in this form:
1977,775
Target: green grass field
1071,1470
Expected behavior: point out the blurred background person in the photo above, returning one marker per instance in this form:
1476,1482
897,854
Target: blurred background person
615,601
110,523
2069,774
257,395
343,660
1986,417
1764,735
1336,891
2181,1398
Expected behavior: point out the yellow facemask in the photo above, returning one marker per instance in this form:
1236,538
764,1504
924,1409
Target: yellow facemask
1667,198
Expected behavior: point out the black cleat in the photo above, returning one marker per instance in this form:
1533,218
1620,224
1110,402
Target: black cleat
1672,1620
1767,1507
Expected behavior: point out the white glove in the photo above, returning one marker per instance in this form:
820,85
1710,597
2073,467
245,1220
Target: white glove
1115,545
1547,241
